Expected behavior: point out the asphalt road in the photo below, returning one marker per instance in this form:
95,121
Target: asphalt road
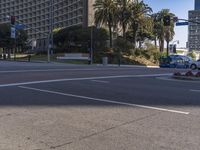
74,107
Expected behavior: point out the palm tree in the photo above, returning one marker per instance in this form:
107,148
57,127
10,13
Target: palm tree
105,11
145,30
123,14
163,33
155,28
159,29
139,10
169,33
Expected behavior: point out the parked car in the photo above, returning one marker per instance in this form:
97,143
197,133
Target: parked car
173,62
190,62
195,65
179,61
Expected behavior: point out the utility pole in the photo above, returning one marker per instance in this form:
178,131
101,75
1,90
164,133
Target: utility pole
50,36
91,45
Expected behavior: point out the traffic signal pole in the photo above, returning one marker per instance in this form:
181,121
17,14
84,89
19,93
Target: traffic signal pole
13,35
167,23
50,36
189,21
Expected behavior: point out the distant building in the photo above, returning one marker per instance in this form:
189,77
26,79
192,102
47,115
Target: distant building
36,15
197,5
194,28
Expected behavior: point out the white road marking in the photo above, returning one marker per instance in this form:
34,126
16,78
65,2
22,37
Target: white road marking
100,81
79,79
107,101
194,90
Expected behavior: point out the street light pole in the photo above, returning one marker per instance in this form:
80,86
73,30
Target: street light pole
172,47
91,46
50,36
15,42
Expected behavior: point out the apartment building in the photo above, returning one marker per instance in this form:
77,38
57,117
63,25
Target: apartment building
36,15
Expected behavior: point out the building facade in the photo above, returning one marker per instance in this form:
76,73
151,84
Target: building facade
36,15
197,5
194,28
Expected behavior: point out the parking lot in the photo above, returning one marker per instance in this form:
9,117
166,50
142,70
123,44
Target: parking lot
74,107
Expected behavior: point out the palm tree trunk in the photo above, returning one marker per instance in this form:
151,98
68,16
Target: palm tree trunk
134,28
140,44
134,39
155,42
167,48
124,30
161,45
110,34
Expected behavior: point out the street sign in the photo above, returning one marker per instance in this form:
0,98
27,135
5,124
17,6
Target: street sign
20,26
13,33
182,23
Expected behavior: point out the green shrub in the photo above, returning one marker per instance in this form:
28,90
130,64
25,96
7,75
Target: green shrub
123,46
192,55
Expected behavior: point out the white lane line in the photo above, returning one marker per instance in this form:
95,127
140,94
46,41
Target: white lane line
104,100
100,81
194,90
79,79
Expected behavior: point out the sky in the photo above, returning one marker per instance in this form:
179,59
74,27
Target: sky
180,8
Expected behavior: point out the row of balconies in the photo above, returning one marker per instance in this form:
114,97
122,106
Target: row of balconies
37,35
41,5
43,16
57,23
39,11
30,14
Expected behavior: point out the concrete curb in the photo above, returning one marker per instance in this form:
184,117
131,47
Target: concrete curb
186,78
24,61
136,66
100,65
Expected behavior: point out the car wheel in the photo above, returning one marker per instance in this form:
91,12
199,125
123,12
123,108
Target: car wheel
193,66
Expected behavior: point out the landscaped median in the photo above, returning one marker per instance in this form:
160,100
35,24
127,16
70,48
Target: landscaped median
187,76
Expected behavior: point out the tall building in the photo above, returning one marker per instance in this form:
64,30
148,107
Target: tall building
197,5
194,28
36,14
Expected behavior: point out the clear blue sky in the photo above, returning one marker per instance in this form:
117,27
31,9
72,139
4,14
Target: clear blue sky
179,8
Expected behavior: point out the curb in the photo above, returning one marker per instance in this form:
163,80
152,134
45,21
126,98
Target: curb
186,78
24,61
136,66
108,65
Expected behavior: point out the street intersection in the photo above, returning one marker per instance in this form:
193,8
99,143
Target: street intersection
75,107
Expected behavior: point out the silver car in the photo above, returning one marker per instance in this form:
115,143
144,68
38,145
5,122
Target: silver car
191,63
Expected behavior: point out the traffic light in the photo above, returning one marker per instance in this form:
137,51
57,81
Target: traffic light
175,19
12,20
167,20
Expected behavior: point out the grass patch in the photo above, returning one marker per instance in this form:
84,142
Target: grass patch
43,58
